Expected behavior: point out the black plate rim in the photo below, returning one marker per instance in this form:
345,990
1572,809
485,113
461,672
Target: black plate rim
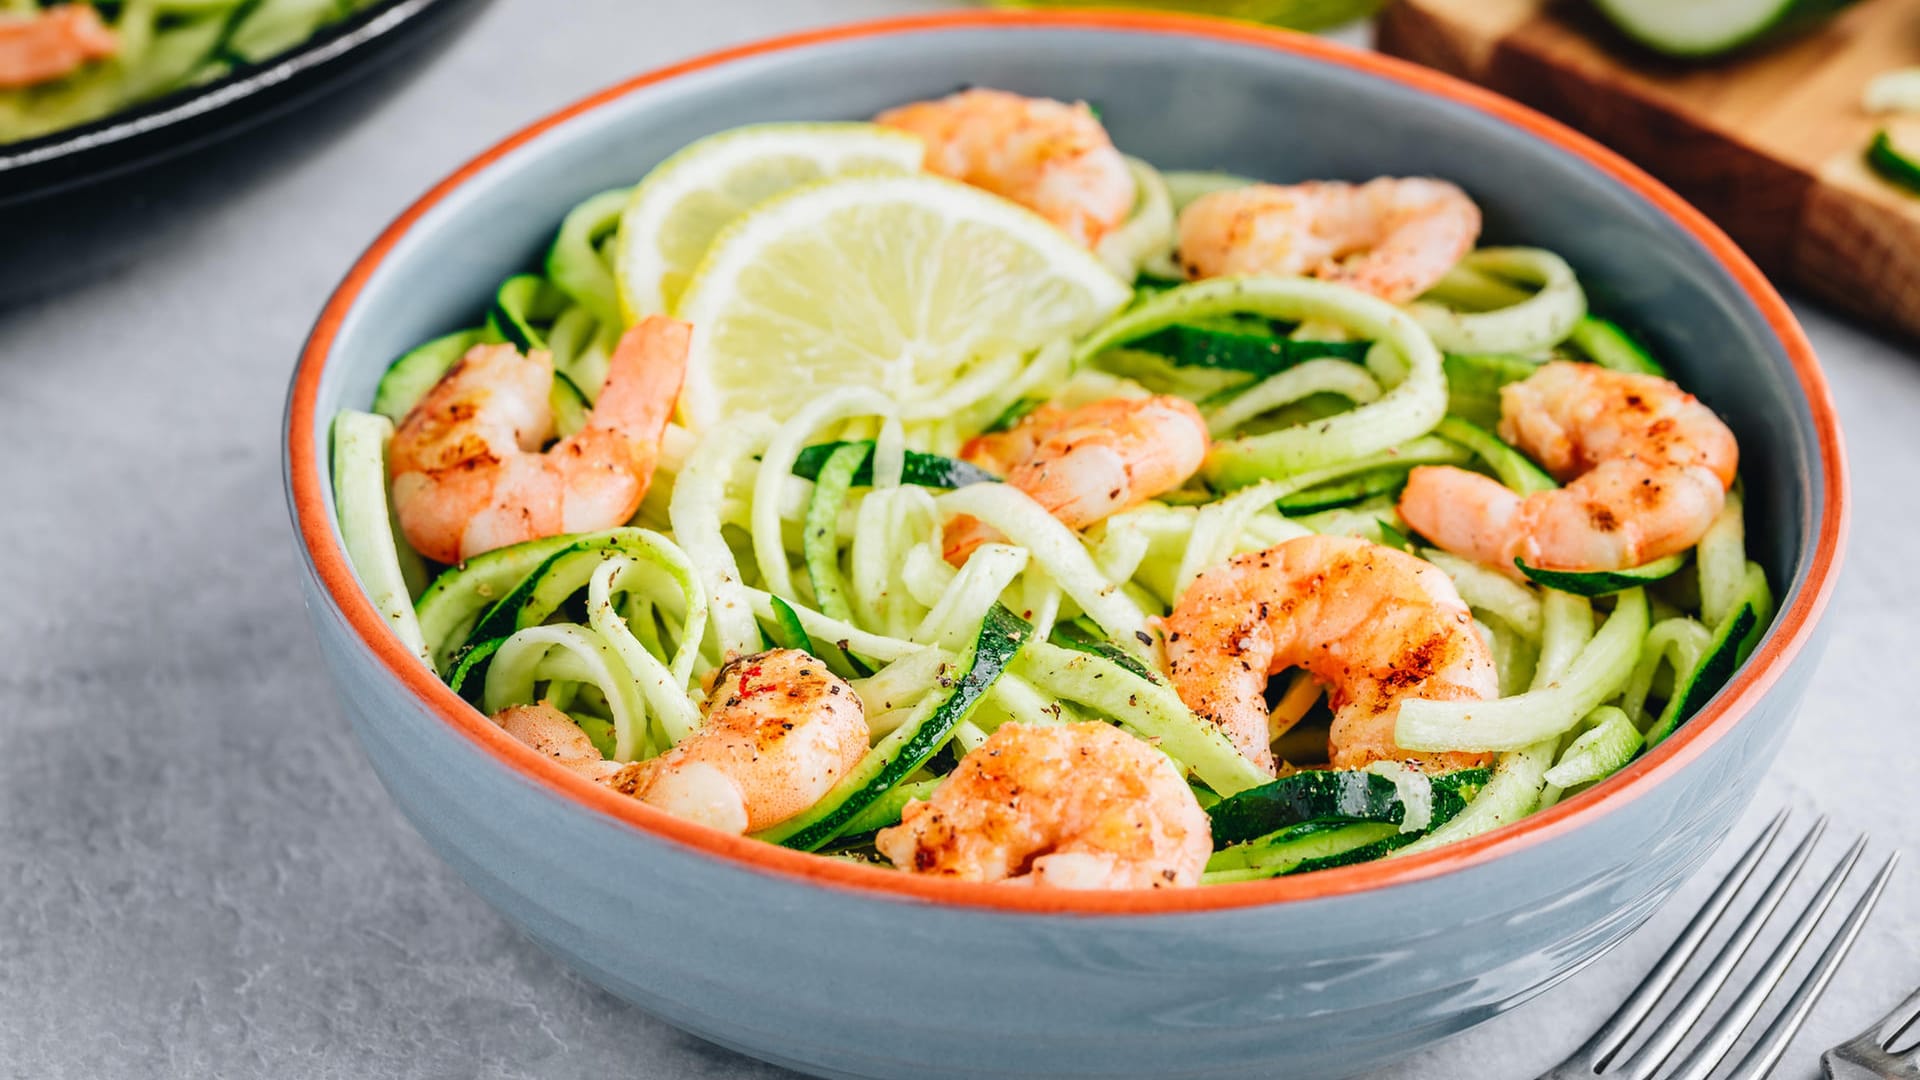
329,48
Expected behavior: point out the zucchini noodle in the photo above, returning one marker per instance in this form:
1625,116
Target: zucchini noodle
1679,643
1487,590
1056,548
1150,707
664,687
776,472
1722,561
1302,693
1598,673
1147,232
1217,529
523,660
1185,187
1221,524
1313,377
822,526
575,264
975,589
695,513
1519,777
1409,409
1609,741
1539,322
367,529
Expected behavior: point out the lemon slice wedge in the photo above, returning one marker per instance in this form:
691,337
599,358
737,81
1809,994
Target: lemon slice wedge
900,283
689,198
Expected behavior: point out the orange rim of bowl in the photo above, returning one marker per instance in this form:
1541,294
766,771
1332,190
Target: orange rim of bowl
1792,627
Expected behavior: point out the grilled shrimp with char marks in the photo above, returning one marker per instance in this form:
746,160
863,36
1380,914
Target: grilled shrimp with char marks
1087,464
1646,467
1392,237
780,731
468,472
1081,806
1051,157
1375,625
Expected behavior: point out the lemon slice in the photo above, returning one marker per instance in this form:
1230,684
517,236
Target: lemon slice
900,283
687,199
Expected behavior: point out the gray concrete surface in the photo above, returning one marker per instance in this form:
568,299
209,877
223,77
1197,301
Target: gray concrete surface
199,875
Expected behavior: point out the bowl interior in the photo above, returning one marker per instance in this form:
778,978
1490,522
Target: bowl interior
1245,102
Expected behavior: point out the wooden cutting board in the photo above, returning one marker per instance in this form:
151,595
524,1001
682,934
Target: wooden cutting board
1770,145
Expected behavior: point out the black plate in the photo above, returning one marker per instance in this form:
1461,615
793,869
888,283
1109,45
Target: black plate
188,119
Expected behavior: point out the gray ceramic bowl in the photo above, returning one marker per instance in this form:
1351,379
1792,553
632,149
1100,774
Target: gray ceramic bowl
849,970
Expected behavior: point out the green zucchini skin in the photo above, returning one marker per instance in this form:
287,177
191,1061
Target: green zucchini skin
1013,414
1330,795
1326,843
908,748
1746,23
461,595
570,406
1394,538
1513,468
1474,381
787,633
1339,493
537,596
1249,345
521,301
1352,856
885,811
819,542
1892,163
1604,342
409,378
1080,636
1731,643
1603,582
924,470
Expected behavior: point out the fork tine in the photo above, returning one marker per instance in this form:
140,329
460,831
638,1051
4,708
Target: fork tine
1606,1042
1767,1052
1721,1037
1899,1020
1684,1015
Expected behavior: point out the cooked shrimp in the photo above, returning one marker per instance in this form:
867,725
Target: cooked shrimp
1394,238
1084,806
51,44
554,734
1647,467
1048,156
1089,463
1376,625
780,731
468,474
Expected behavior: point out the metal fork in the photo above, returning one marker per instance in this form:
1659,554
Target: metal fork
1597,1056
1866,1056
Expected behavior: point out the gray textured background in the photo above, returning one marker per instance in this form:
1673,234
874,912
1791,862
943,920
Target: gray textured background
199,875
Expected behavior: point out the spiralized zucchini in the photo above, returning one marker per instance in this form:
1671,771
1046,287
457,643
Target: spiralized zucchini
1532,325
1411,407
827,530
